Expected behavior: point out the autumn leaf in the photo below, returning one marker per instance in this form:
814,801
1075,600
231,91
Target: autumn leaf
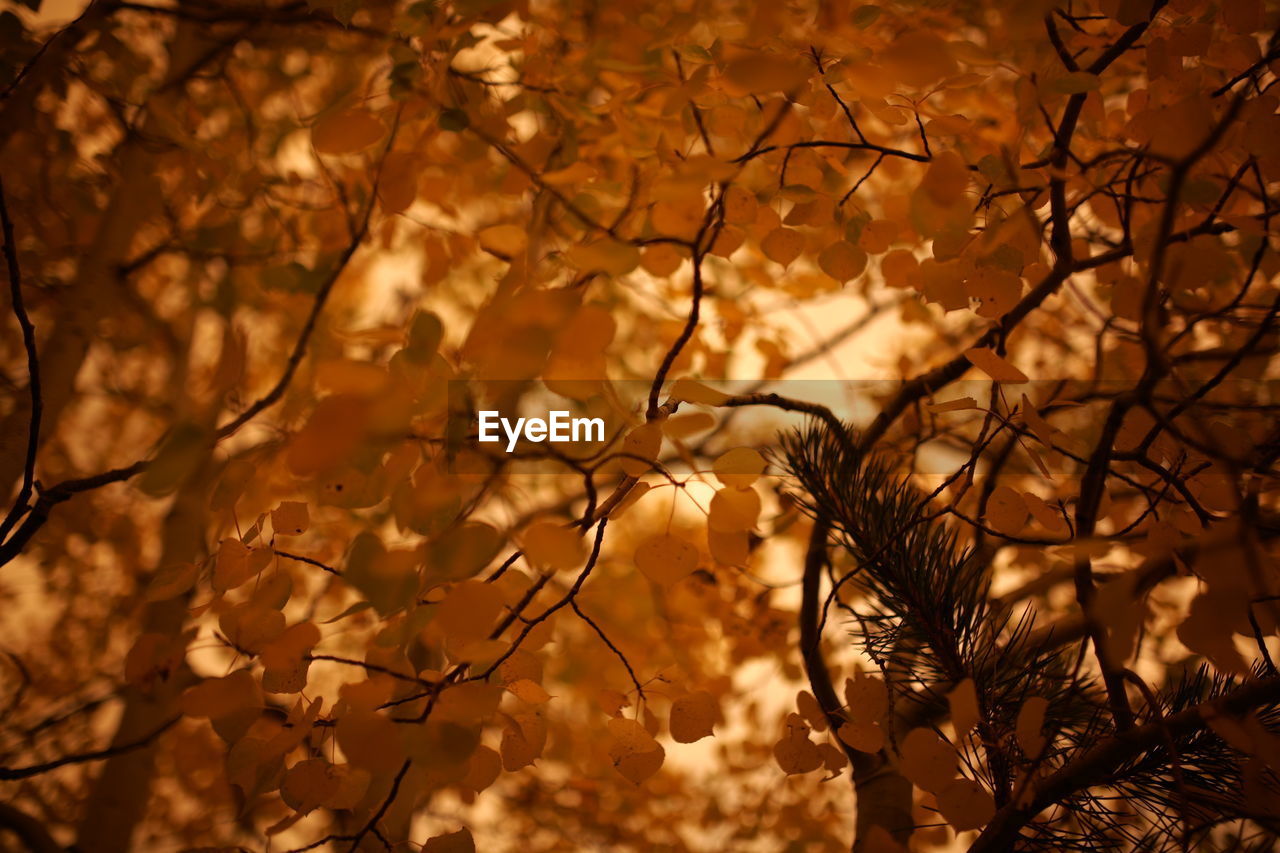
693,716
966,805
451,842
290,519
994,366
864,736
963,701
347,132
635,753
266,274
782,245
795,753
927,760
554,546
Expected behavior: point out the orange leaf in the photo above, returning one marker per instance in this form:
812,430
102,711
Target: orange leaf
782,245
927,760
986,360
666,559
864,737
451,842
759,73
966,805
1029,725
734,510
693,716
290,519
550,545
1006,511
795,753
842,261
963,700
347,132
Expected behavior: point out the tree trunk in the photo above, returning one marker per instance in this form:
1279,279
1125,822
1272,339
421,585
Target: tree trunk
118,797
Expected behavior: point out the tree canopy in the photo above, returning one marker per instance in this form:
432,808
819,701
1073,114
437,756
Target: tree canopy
934,348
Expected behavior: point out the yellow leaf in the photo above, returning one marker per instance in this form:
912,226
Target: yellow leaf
330,435
1050,518
842,261
998,291
469,610
463,551
683,426
833,758
691,391
759,73
812,712
918,58
955,405
739,468
661,259
966,805
612,702
729,549
638,491
250,626
733,510
666,559
608,255
634,751
1006,511
347,132
963,700
215,698
946,179
348,376
451,842
290,519
782,245
795,753
693,717
1029,724
864,737
740,206
529,691
231,566
680,217
506,240
547,544
900,269
1041,427
308,784
640,448
483,770
877,235
866,698
1000,370
398,185
284,659
927,760
370,740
